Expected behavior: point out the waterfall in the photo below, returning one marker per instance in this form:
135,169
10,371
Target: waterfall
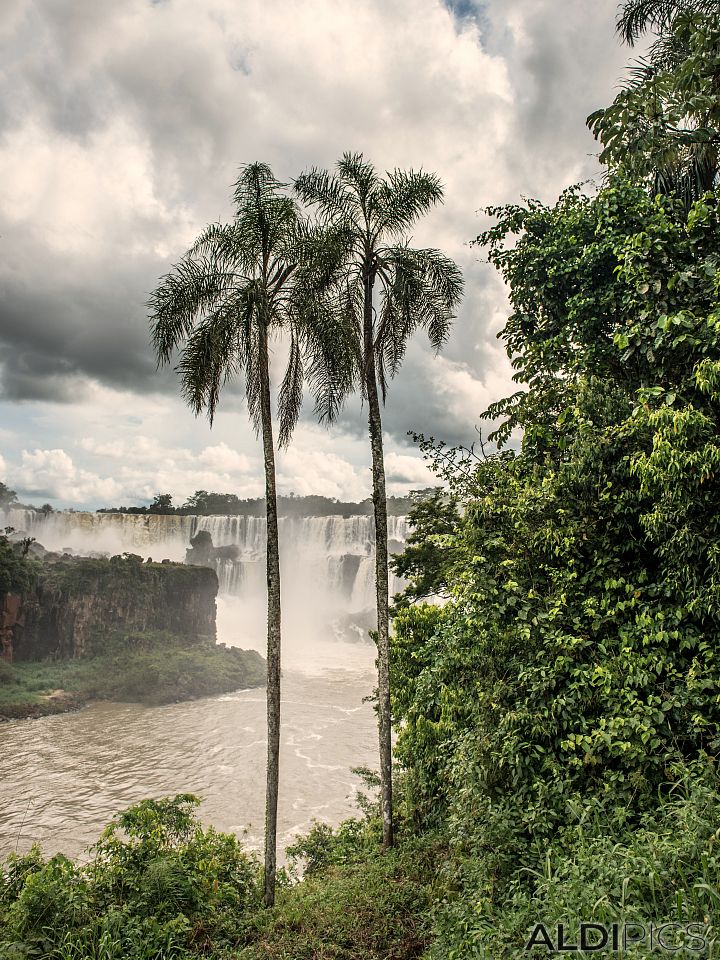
326,562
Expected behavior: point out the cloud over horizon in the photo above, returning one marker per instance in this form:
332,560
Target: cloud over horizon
121,129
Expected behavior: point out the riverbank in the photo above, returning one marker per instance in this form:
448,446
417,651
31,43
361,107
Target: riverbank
149,668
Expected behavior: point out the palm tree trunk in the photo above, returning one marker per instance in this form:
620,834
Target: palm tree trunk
381,566
273,627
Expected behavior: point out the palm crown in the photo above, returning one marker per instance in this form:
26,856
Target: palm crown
361,243
228,294
636,17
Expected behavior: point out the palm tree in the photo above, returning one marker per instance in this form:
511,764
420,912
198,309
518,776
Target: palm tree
637,17
661,128
361,248
219,307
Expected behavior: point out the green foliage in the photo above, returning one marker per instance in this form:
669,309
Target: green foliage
158,885
601,866
663,128
426,560
637,17
360,905
563,708
17,570
162,503
146,667
8,497
323,846
124,574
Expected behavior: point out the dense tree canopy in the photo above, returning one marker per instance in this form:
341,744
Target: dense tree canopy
576,665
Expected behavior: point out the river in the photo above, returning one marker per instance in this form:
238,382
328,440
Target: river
63,777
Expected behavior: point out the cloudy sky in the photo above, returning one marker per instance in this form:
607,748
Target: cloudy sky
122,126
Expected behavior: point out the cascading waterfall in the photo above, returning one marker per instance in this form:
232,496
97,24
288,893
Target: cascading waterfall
327,562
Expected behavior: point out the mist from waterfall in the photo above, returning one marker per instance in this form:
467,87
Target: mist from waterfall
327,568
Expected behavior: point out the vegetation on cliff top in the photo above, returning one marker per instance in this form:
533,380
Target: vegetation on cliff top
76,576
204,503
17,570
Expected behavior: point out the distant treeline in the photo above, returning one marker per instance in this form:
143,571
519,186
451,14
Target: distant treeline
202,503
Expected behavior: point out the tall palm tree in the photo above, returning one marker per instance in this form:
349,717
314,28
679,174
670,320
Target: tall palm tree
364,259
218,308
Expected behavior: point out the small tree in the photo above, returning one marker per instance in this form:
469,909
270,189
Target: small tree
162,504
8,497
662,127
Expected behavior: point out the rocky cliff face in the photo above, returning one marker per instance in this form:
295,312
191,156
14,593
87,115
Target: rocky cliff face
78,602
12,621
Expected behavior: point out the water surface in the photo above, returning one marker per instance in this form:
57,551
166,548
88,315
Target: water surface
63,777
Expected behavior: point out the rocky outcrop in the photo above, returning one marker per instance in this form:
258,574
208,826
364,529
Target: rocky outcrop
202,552
78,603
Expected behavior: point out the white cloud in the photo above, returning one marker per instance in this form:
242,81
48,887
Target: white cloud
52,474
306,471
122,128
222,457
403,470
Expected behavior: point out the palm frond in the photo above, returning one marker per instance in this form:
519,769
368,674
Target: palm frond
193,288
329,330
213,353
335,204
359,176
404,197
255,184
291,391
637,17
421,289
226,244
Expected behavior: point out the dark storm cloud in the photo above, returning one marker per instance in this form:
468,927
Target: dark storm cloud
58,326
200,94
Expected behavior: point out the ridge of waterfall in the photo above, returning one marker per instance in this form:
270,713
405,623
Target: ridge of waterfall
329,556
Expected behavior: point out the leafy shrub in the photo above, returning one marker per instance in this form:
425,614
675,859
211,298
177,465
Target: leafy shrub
602,868
158,885
547,713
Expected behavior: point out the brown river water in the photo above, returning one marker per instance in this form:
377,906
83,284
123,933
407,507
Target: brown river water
62,778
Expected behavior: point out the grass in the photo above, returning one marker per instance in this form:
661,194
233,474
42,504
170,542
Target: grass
377,908
146,668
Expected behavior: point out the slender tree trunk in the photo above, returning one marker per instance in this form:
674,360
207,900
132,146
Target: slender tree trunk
273,628
381,566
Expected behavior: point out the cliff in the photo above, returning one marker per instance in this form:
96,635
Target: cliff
77,603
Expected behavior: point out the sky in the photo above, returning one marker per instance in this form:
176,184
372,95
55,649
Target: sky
123,124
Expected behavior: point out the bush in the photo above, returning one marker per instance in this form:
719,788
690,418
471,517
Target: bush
600,868
158,885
